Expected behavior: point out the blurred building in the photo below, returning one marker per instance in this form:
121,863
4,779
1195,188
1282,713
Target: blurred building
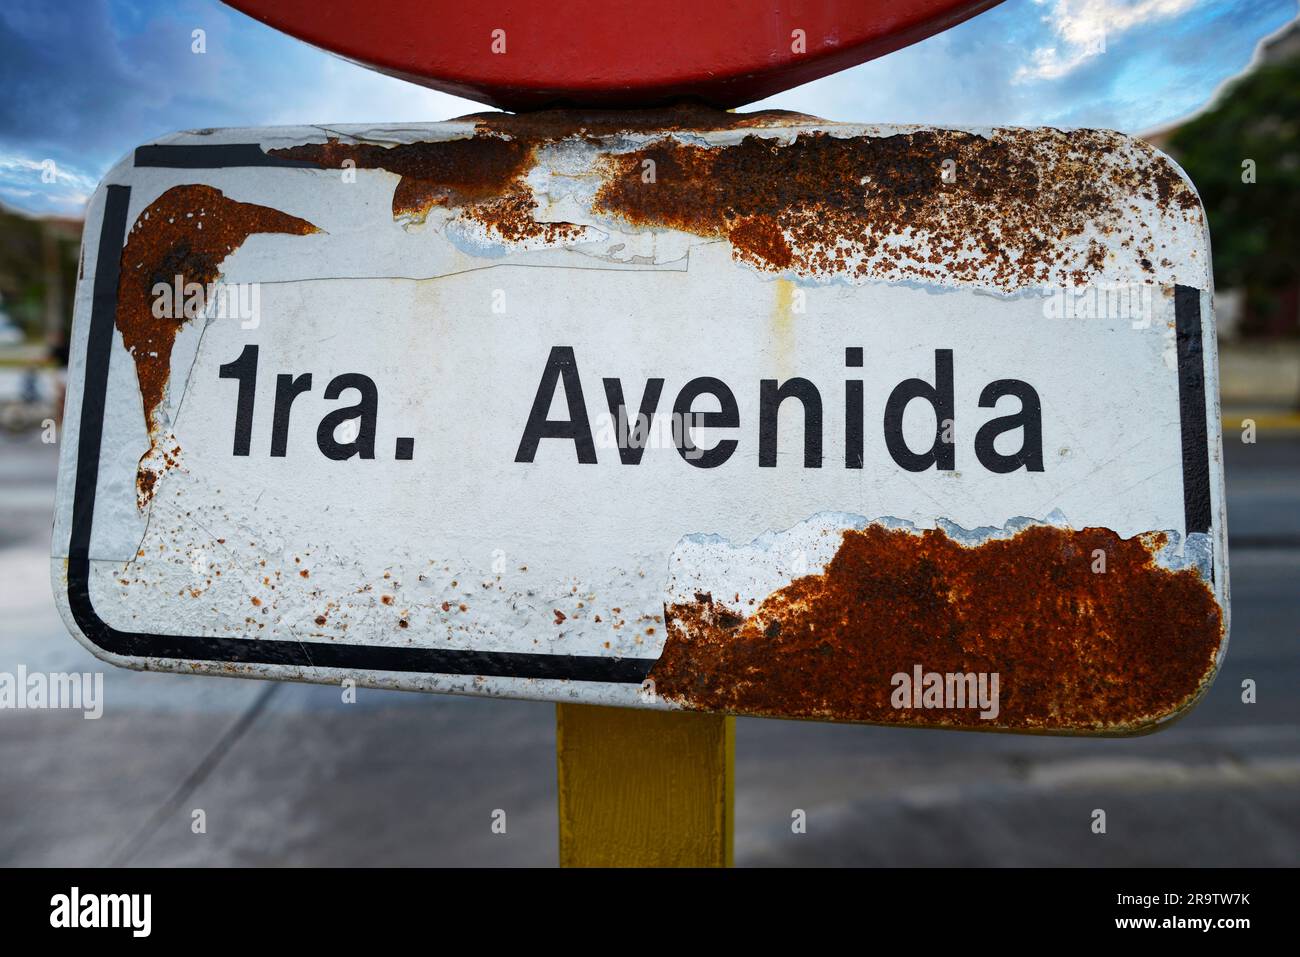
39,259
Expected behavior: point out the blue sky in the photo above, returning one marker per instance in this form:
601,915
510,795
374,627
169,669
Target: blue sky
84,81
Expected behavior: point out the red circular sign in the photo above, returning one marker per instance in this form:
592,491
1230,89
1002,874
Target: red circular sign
610,53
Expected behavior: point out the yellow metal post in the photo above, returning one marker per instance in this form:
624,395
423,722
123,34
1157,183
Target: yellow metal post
644,788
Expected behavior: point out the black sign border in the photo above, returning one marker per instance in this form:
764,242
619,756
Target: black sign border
428,661
284,653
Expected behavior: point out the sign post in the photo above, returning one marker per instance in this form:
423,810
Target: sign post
662,415
644,788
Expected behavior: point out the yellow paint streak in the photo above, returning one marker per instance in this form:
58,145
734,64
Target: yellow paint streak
644,788
783,326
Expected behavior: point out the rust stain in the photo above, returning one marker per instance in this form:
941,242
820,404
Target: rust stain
598,125
1014,203
1075,650
482,176
153,465
1004,209
188,231
759,241
450,172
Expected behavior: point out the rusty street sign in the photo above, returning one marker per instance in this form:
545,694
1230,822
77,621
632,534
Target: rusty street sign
682,409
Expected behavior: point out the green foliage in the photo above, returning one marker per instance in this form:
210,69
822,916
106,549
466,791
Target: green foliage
1254,227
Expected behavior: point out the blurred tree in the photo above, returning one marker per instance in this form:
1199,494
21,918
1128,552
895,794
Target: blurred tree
33,253
1253,132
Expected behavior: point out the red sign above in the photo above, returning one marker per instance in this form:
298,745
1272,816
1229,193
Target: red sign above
608,53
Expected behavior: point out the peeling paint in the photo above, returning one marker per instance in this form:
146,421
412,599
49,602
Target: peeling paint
598,125
188,232
1010,209
482,176
1076,650
1004,209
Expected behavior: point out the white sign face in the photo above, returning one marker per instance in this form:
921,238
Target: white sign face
761,415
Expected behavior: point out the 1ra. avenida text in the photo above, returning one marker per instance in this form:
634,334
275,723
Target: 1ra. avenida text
633,429
341,433
561,374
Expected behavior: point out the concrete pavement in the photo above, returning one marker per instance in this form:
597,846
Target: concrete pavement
289,774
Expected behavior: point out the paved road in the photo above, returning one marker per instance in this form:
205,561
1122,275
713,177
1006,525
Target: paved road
288,774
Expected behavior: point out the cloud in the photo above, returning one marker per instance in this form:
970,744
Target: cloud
960,76
85,81
1082,28
47,170
341,92
43,185
82,82
1159,68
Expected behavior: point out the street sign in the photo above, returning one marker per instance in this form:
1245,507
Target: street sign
755,414
522,56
